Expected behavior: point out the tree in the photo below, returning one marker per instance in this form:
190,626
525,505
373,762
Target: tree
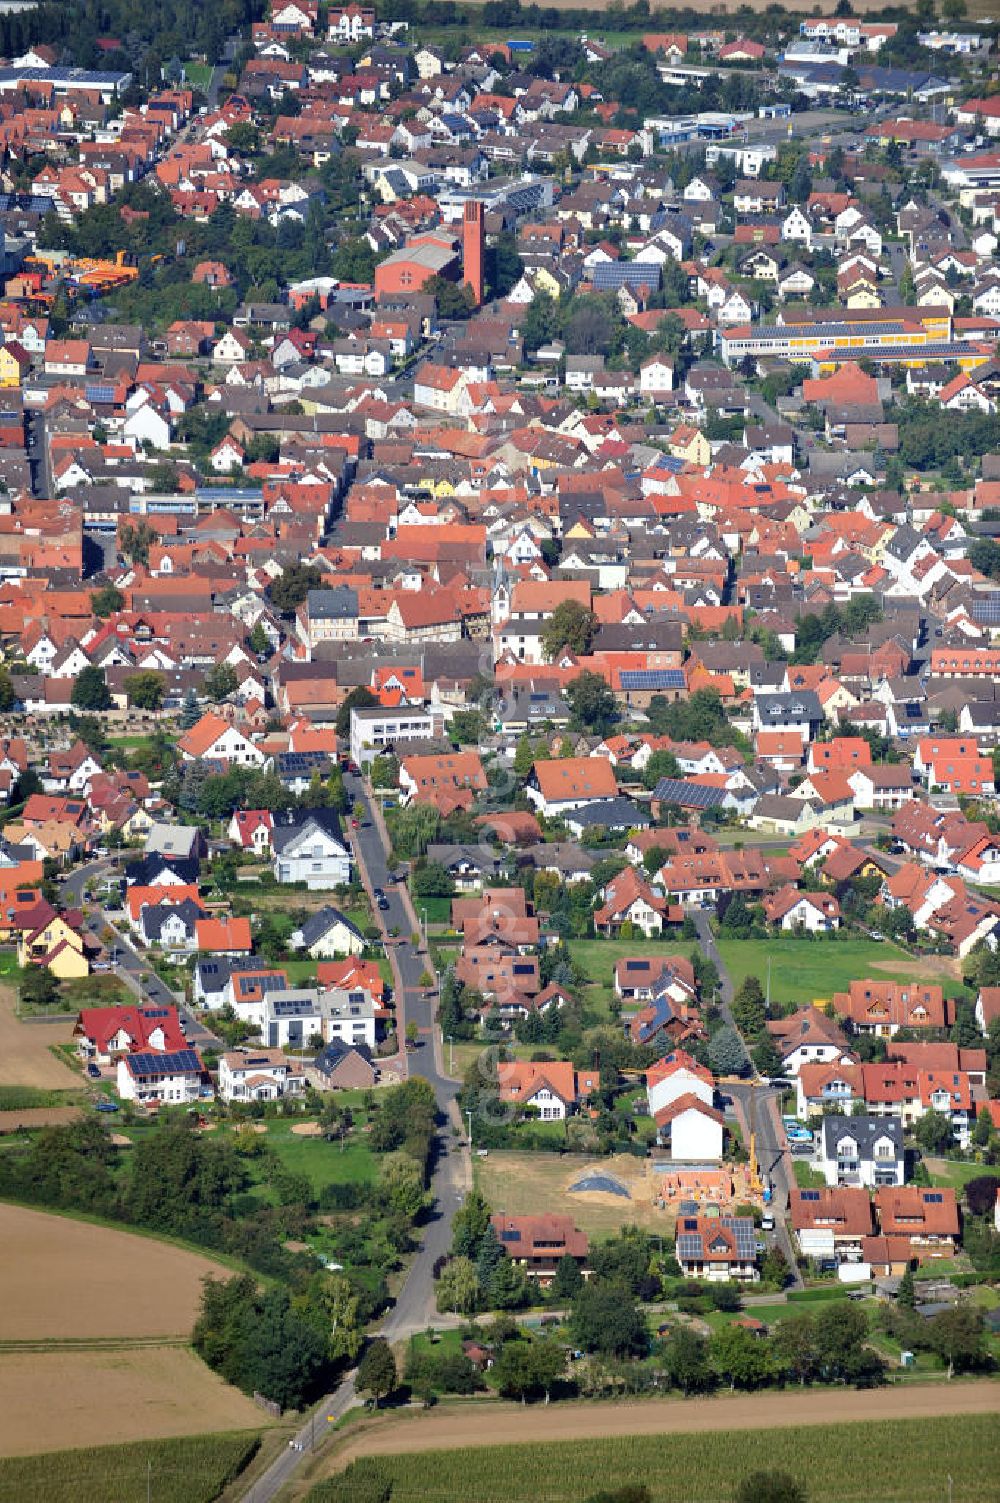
220,681
770,1487
528,1367
740,1357
796,1348
662,764
592,703
957,1336
572,626
458,1287
136,541
607,1320
293,585
567,1281
766,1056
105,601
725,1052
145,690
377,1370
981,1194
906,1296
469,1226
360,698
8,698
190,711
509,1286
685,1361
401,1180
934,1132
453,299
748,1005
90,691
432,880
39,988
258,641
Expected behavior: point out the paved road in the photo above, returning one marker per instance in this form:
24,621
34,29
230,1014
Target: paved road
414,1307
758,1106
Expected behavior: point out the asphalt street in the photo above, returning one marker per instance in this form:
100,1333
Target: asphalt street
136,971
414,1307
758,1105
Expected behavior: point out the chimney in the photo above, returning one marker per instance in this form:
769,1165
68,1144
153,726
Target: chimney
473,249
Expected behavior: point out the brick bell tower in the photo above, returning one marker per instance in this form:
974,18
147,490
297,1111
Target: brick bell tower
473,249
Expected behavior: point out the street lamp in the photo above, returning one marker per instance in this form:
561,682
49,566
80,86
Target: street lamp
451,1054
423,916
469,1115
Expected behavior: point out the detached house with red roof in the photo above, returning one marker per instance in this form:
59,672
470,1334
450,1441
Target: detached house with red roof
814,912
559,787
628,899
681,1095
216,740
104,1033
554,1088
538,1244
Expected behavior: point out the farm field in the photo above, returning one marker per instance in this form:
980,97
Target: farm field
192,1470
62,1280
828,1440
802,970
519,1183
26,1058
125,1394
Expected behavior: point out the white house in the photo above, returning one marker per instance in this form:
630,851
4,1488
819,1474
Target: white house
215,738
861,1150
166,1079
327,934
309,847
259,1075
656,376
675,1075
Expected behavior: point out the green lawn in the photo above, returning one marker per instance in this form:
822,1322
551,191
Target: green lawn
198,75
804,970
436,910
950,1172
911,1461
321,1162
597,959
806,1177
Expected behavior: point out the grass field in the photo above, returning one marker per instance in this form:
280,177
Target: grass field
597,958
26,1058
192,1470
321,1162
802,970
894,1461
64,1279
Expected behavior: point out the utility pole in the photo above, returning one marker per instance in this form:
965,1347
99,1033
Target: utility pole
469,1115
149,1481
451,1054
767,995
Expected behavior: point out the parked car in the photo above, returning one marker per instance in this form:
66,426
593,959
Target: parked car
94,1071
105,1105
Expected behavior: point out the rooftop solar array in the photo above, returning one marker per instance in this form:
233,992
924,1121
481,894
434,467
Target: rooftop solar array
694,795
177,1063
653,678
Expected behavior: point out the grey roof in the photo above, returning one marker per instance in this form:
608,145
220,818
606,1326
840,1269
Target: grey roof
321,922
291,825
338,604
800,707
154,918
865,1131
612,813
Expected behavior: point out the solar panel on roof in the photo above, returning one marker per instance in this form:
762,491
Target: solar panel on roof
652,678
176,1063
694,795
99,393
